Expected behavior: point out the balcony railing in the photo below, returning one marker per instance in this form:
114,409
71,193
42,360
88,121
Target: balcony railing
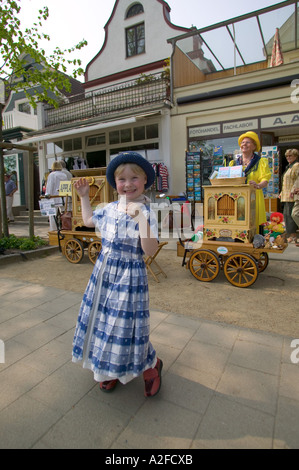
15,118
146,91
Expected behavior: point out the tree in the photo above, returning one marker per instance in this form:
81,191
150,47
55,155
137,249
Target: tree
47,71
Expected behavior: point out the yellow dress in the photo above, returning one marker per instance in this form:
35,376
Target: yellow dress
262,173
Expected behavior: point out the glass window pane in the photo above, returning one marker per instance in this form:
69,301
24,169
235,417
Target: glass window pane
135,10
125,135
253,50
139,133
284,19
68,145
25,108
91,141
114,137
101,139
77,143
50,148
58,147
152,131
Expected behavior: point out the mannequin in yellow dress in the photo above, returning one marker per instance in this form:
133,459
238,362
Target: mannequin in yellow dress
256,170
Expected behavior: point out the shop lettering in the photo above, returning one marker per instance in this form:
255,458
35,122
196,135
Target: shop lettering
238,126
279,121
294,98
206,130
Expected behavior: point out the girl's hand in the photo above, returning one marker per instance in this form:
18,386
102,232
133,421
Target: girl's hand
82,187
134,210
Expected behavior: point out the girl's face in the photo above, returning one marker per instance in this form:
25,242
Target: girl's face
130,183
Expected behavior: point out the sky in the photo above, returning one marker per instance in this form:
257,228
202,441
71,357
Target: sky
71,21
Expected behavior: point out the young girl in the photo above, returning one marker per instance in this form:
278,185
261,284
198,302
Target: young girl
112,332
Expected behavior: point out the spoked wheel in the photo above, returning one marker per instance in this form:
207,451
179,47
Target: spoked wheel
241,270
204,265
263,262
94,249
74,250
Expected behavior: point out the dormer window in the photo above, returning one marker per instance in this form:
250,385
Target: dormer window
135,40
135,10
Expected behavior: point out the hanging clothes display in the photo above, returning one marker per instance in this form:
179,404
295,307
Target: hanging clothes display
161,179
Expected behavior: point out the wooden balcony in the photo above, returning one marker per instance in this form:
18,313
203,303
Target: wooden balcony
13,119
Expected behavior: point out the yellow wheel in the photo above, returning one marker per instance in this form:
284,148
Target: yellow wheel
263,262
241,270
204,265
94,249
74,250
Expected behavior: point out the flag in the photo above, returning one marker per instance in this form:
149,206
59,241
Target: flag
277,57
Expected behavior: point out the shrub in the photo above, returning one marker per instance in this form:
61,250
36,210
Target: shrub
21,243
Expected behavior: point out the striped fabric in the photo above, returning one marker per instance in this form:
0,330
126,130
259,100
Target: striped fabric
277,56
112,332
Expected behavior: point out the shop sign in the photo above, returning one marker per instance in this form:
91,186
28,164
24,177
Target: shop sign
204,130
281,120
65,188
237,126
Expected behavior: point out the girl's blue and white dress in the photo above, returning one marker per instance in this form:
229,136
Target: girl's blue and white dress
112,331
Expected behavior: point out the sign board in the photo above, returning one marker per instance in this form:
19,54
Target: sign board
240,126
204,130
65,188
47,207
280,120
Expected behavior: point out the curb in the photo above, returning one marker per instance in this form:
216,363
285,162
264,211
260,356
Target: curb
28,255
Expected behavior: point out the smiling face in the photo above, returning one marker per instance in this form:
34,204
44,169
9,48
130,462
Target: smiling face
248,145
130,181
291,156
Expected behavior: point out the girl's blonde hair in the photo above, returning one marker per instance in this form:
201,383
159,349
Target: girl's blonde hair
135,168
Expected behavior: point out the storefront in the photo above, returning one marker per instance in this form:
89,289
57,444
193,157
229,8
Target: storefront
218,144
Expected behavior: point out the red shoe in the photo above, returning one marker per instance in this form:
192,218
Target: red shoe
153,379
108,385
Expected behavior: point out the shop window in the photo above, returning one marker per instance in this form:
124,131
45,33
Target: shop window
96,140
72,144
135,40
53,148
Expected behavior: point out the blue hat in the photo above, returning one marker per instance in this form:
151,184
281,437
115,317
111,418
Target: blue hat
130,157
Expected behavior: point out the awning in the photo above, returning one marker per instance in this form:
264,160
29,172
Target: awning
79,130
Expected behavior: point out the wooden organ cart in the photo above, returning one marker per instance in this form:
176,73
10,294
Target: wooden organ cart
73,242
228,233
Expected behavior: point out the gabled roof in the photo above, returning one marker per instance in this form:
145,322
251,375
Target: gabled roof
166,11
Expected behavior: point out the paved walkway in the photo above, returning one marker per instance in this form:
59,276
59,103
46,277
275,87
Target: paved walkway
223,386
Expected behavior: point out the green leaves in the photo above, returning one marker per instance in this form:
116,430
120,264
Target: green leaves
24,63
